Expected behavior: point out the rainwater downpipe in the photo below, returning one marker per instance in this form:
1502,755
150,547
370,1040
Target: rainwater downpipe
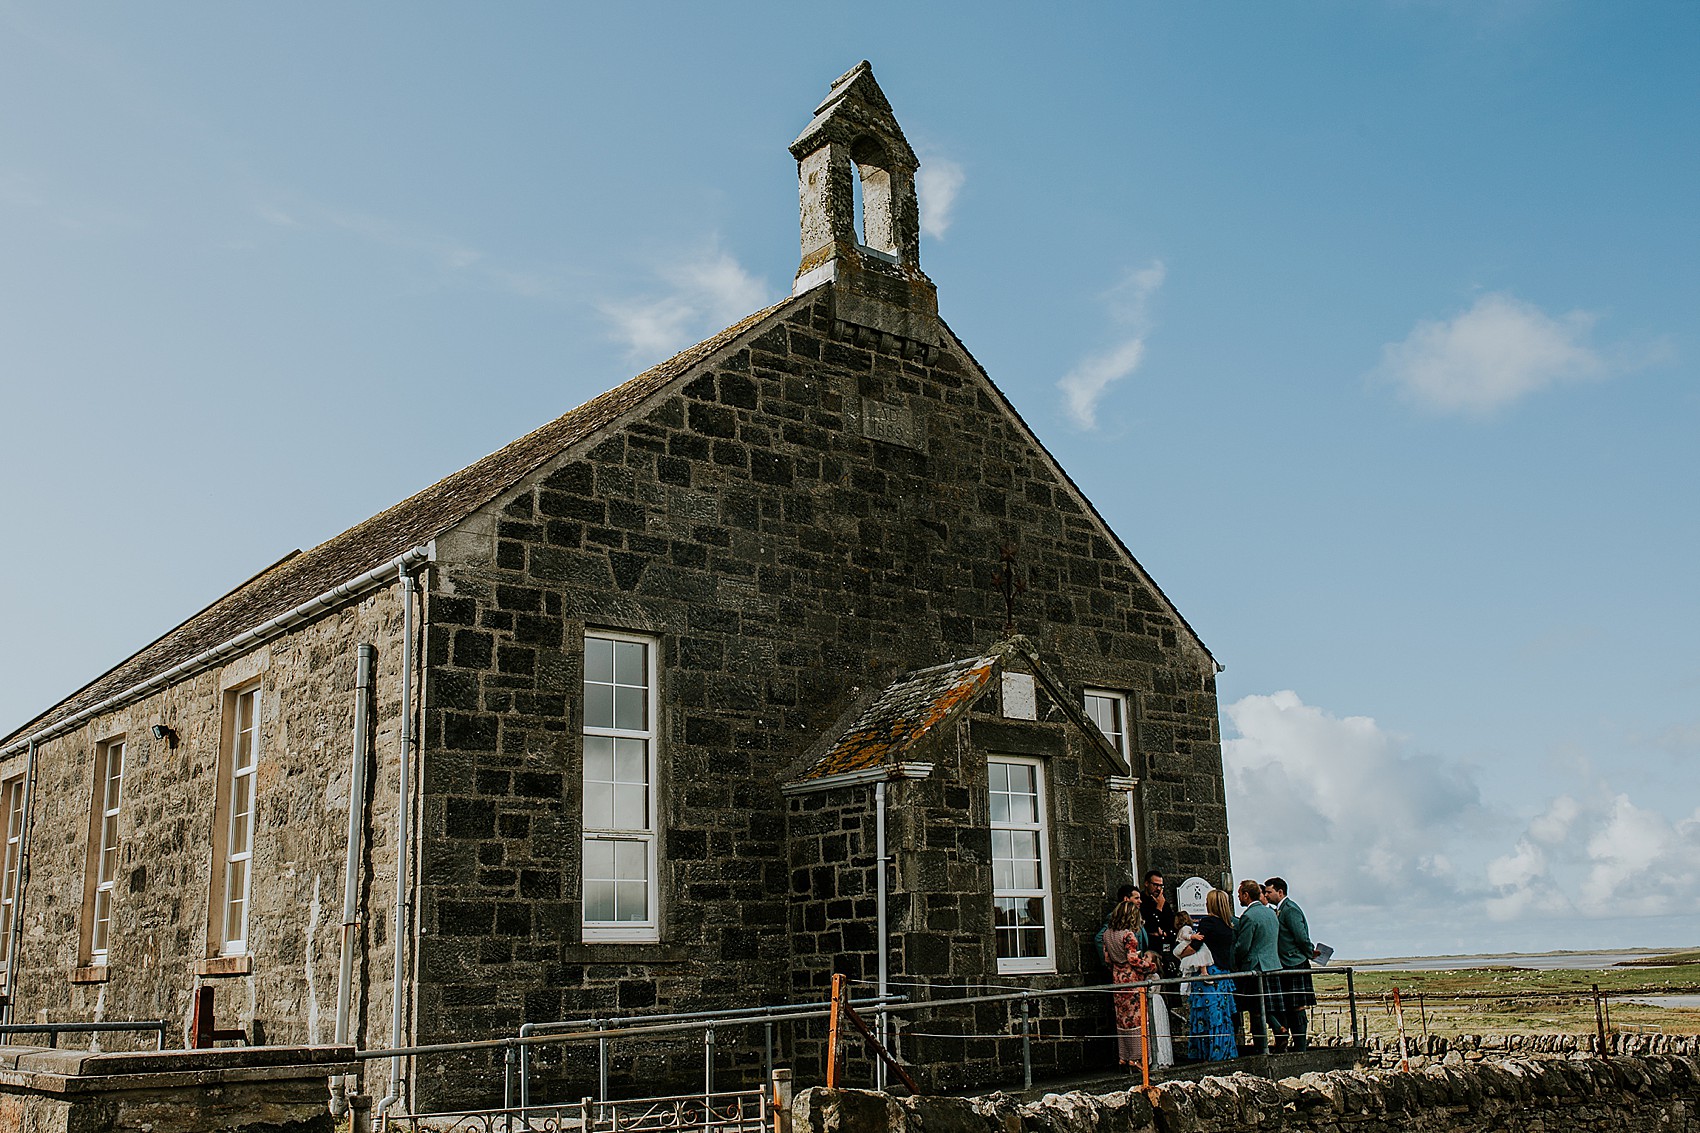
351,869
15,928
403,836
880,929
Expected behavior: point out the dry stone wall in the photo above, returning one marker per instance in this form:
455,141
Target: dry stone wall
1637,1094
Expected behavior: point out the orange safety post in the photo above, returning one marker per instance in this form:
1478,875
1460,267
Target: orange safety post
838,982
1145,1036
1399,1015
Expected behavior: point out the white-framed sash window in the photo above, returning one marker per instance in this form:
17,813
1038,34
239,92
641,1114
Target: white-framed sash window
1023,912
244,758
12,826
103,839
1109,710
619,861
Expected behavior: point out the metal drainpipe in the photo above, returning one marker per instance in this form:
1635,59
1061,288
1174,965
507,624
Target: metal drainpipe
15,933
351,875
404,795
880,926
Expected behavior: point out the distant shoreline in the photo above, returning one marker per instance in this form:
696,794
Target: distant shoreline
1640,956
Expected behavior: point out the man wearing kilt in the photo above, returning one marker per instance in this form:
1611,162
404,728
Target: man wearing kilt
1256,950
1294,946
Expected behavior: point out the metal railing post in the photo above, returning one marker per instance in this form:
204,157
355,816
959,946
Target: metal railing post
707,1063
508,1078
1262,1017
602,1063
767,1043
1026,1042
524,1068
1352,1002
584,1115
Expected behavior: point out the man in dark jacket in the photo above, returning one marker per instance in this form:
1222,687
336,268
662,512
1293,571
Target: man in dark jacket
1295,949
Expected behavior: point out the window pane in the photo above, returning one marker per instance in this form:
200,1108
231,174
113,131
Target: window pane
1030,942
631,708
102,917
631,861
1023,808
599,859
1003,874
997,776
631,761
598,660
631,901
598,706
236,880
1020,778
598,900
598,805
1023,845
999,806
241,804
631,666
108,863
631,808
599,758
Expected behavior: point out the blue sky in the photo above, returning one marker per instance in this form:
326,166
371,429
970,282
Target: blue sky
1370,326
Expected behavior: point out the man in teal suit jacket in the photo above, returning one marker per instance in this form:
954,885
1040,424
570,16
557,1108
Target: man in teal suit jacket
1256,936
1295,949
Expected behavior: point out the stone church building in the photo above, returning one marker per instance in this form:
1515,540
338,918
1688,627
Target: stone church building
619,718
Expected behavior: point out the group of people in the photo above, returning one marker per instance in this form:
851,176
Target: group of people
1146,938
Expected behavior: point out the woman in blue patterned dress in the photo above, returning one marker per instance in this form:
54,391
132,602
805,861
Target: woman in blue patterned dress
1212,1001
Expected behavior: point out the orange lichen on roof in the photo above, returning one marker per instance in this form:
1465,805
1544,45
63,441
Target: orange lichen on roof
903,714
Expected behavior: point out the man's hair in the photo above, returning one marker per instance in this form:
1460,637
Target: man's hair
1276,883
1126,891
1248,883
1150,873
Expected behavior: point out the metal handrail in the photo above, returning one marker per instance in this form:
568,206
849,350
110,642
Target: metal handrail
731,1016
515,1048
53,1030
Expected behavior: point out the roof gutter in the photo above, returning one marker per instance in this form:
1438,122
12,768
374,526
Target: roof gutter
882,774
241,643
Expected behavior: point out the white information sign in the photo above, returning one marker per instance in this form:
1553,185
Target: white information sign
1190,894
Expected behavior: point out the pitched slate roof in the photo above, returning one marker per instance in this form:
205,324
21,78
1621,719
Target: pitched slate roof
418,519
903,715
921,702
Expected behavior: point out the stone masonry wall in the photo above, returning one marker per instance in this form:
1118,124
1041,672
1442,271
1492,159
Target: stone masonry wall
788,565
1647,1094
159,930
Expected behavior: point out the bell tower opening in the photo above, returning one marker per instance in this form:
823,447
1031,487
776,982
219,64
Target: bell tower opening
876,229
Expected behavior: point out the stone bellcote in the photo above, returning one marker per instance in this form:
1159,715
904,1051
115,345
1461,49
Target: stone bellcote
854,140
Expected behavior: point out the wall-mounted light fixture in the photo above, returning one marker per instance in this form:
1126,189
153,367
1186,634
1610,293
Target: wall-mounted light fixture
167,733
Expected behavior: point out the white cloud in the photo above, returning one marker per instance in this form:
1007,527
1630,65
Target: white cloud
704,293
1373,818
1394,851
1129,302
1601,857
937,184
1500,350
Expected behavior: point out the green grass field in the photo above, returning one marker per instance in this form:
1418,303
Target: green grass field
1513,1000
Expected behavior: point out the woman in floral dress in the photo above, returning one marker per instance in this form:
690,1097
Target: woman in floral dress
1123,948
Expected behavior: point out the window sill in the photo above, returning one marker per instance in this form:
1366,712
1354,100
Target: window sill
89,974
214,966
626,952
